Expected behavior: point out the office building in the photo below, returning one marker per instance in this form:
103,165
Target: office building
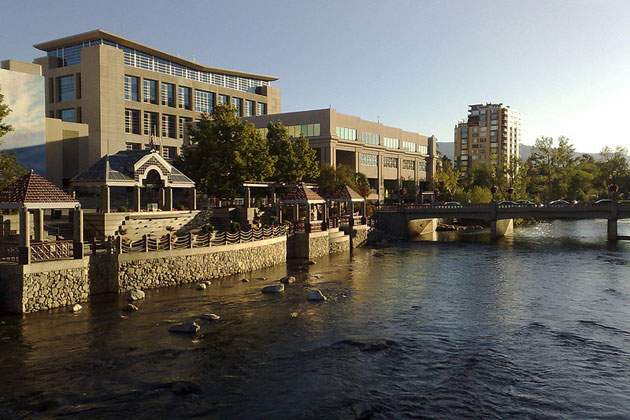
490,135
127,92
387,155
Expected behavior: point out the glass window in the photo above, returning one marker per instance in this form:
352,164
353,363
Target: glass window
67,115
132,146
238,104
309,130
390,162
131,88
204,101
132,121
261,109
66,88
224,99
150,123
168,126
369,159
422,166
183,121
369,138
409,146
347,133
169,153
423,149
408,164
249,108
391,142
183,97
168,94
150,91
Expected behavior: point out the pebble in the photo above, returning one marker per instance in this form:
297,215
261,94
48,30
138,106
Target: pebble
276,288
316,295
210,317
201,286
76,308
130,308
135,294
245,280
185,327
287,280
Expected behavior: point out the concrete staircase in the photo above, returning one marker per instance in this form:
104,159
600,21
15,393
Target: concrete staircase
335,235
137,226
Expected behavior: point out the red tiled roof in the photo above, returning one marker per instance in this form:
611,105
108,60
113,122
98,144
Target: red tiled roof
32,188
345,193
302,193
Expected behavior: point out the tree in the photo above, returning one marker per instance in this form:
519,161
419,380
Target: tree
295,159
446,179
224,152
10,168
331,178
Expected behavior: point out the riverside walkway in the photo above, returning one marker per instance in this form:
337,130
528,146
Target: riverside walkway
495,213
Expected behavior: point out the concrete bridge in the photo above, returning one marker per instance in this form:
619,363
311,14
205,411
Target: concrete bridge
420,219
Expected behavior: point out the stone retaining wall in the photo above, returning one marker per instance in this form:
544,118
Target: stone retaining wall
339,246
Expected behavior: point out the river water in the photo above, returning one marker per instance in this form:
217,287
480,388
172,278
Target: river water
536,325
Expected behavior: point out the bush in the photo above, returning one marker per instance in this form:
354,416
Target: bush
122,209
180,207
207,228
235,227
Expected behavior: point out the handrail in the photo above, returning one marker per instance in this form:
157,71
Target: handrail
52,250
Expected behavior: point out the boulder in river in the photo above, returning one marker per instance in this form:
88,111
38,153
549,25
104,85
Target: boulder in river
287,280
377,254
362,410
135,294
275,288
316,295
245,280
201,286
210,317
76,308
185,327
130,308
311,263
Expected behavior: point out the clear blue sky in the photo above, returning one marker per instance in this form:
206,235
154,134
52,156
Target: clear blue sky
414,64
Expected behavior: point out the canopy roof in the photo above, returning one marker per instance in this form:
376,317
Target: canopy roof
345,194
34,192
129,168
302,194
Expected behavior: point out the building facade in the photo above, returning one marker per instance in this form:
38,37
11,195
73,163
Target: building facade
128,92
490,135
388,156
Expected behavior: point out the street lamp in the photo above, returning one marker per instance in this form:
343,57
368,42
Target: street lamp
510,191
613,187
494,190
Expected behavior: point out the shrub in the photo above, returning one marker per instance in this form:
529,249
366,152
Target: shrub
180,207
235,227
122,209
207,228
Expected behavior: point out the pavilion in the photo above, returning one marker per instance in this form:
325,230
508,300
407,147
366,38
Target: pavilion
342,203
308,207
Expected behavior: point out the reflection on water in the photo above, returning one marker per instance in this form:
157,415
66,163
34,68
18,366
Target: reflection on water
532,325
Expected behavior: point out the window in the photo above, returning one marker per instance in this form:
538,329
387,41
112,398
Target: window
168,126
51,90
132,121
169,153
390,162
369,138
423,150
183,121
204,101
408,164
347,133
224,99
67,115
422,166
183,97
238,104
65,86
309,130
369,159
150,123
409,146
150,91
132,146
391,142
131,88
249,108
78,87
261,109
168,94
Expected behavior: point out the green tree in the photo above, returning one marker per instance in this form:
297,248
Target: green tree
331,178
10,168
225,151
295,159
446,179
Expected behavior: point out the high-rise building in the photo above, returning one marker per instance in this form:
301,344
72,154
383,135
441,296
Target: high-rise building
128,92
490,135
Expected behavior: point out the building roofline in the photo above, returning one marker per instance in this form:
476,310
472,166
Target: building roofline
99,33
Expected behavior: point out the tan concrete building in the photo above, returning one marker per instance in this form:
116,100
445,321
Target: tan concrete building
491,134
387,155
126,92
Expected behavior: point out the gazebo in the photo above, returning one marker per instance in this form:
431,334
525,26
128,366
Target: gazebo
309,209
32,193
343,202
137,169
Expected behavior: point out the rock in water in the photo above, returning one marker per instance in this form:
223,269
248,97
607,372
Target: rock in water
76,308
185,327
201,286
185,387
362,411
316,295
135,294
377,254
130,308
294,314
287,280
276,288
245,280
210,317
311,263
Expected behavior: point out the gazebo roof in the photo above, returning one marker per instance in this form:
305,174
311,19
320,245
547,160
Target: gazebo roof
129,168
34,192
345,194
302,194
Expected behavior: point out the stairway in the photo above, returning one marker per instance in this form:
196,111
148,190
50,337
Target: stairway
137,226
335,235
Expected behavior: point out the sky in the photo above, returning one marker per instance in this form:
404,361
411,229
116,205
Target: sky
412,64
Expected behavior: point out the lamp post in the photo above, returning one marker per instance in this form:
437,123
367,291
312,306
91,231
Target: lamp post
436,193
613,187
494,190
510,191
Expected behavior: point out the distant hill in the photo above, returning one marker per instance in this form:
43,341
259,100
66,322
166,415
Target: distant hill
447,148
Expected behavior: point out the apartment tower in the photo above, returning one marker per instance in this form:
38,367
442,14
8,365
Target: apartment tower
490,135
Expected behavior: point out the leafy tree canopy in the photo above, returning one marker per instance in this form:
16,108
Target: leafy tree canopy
10,168
295,160
331,178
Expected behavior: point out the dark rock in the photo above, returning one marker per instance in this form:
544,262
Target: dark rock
186,327
276,288
287,280
311,263
210,317
316,295
245,280
185,388
362,411
130,308
135,294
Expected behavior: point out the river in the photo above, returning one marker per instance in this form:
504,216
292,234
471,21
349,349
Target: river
535,325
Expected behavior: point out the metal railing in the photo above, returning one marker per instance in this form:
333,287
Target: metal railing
53,250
